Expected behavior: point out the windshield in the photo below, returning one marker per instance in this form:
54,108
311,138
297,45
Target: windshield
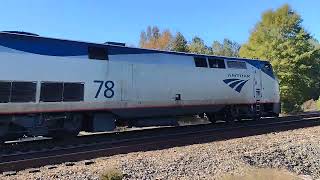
267,68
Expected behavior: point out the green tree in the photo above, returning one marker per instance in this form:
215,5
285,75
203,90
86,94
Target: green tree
197,46
280,38
315,43
217,48
228,48
179,43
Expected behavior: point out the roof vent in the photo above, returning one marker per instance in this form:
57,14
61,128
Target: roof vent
21,32
115,43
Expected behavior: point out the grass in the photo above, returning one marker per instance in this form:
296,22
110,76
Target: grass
263,174
111,174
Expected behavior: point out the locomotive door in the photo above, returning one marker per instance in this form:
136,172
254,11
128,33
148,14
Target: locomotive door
126,82
257,86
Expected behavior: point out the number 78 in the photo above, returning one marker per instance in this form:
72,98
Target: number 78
108,88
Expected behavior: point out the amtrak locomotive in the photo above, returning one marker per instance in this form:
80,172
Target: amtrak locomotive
56,87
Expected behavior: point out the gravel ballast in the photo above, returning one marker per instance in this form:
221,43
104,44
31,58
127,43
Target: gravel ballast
297,151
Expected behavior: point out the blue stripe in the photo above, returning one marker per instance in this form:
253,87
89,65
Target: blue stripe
232,85
58,47
229,80
239,87
43,46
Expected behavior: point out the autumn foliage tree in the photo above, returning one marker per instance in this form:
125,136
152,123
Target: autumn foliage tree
152,38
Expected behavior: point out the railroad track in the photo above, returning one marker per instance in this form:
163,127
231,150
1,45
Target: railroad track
19,156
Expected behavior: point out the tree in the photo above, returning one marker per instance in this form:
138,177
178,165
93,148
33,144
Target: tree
179,43
315,43
197,46
280,38
143,39
217,48
154,39
164,41
228,48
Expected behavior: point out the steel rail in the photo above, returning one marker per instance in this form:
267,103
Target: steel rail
151,139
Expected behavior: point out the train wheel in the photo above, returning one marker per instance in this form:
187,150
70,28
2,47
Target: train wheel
201,115
2,140
71,127
256,118
4,128
229,118
229,115
211,117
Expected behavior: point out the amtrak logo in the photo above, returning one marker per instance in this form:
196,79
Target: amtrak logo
236,84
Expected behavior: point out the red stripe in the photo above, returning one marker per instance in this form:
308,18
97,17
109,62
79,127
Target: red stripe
128,108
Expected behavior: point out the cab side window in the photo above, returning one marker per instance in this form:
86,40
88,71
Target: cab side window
216,63
200,62
267,68
237,64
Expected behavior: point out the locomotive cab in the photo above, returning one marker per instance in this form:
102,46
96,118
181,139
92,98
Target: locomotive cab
267,67
271,108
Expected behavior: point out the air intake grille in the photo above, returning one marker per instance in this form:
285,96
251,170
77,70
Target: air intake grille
23,92
5,88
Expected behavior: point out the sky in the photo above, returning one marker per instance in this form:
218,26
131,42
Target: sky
123,20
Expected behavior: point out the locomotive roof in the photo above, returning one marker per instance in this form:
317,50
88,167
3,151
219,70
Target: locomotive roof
113,47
